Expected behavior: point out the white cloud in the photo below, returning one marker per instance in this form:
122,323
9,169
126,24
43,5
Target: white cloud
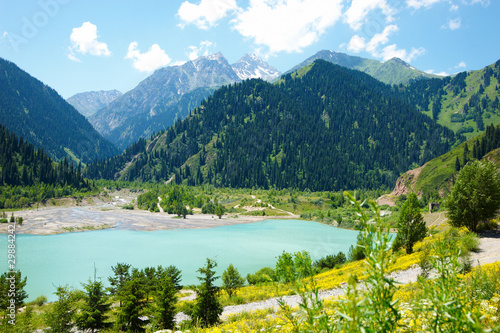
381,38
202,50
287,25
178,63
461,64
206,13
356,44
373,46
84,41
392,51
453,24
453,8
431,71
154,58
417,4
357,13
73,58
4,34
485,3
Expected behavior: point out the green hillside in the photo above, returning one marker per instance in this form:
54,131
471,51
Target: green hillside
392,71
436,176
465,103
323,128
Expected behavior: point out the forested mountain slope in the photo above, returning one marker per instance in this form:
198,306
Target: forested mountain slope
41,116
328,128
465,103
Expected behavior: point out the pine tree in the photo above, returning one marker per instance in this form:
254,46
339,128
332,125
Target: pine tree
466,154
165,303
92,315
6,280
60,317
132,298
207,308
457,164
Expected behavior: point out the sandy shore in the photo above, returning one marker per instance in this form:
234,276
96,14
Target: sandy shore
110,214
103,215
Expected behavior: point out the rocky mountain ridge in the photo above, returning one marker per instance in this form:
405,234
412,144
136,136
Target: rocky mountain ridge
169,94
88,103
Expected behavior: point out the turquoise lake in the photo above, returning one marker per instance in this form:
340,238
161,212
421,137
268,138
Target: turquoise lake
69,258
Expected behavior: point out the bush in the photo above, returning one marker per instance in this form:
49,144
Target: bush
331,261
263,275
457,118
465,129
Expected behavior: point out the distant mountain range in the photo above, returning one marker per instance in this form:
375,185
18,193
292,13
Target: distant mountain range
393,71
325,127
88,103
41,116
170,93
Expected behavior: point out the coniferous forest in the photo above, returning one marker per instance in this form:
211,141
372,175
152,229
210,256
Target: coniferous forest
322,128
28,174
40,115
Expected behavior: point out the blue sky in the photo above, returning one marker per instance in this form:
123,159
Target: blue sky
76,45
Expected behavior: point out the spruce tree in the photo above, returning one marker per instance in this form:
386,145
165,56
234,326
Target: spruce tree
207,308
457,164
92,315
60,317
132,298
165,302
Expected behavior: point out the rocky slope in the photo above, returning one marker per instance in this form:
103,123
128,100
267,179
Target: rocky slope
169,94
88,103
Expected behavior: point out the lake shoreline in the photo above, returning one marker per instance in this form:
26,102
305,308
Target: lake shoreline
57,220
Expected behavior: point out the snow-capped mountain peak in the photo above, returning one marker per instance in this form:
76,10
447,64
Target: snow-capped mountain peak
251,66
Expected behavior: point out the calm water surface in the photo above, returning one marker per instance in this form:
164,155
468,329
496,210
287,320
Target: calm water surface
69,259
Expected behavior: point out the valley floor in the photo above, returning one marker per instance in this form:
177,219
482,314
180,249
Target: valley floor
102,214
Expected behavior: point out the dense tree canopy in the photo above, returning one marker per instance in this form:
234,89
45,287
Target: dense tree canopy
328,129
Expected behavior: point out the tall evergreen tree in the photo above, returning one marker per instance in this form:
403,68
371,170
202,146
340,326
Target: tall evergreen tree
457,164
132,298
465,157
207,309
165,301
92,315
60,317
6,280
